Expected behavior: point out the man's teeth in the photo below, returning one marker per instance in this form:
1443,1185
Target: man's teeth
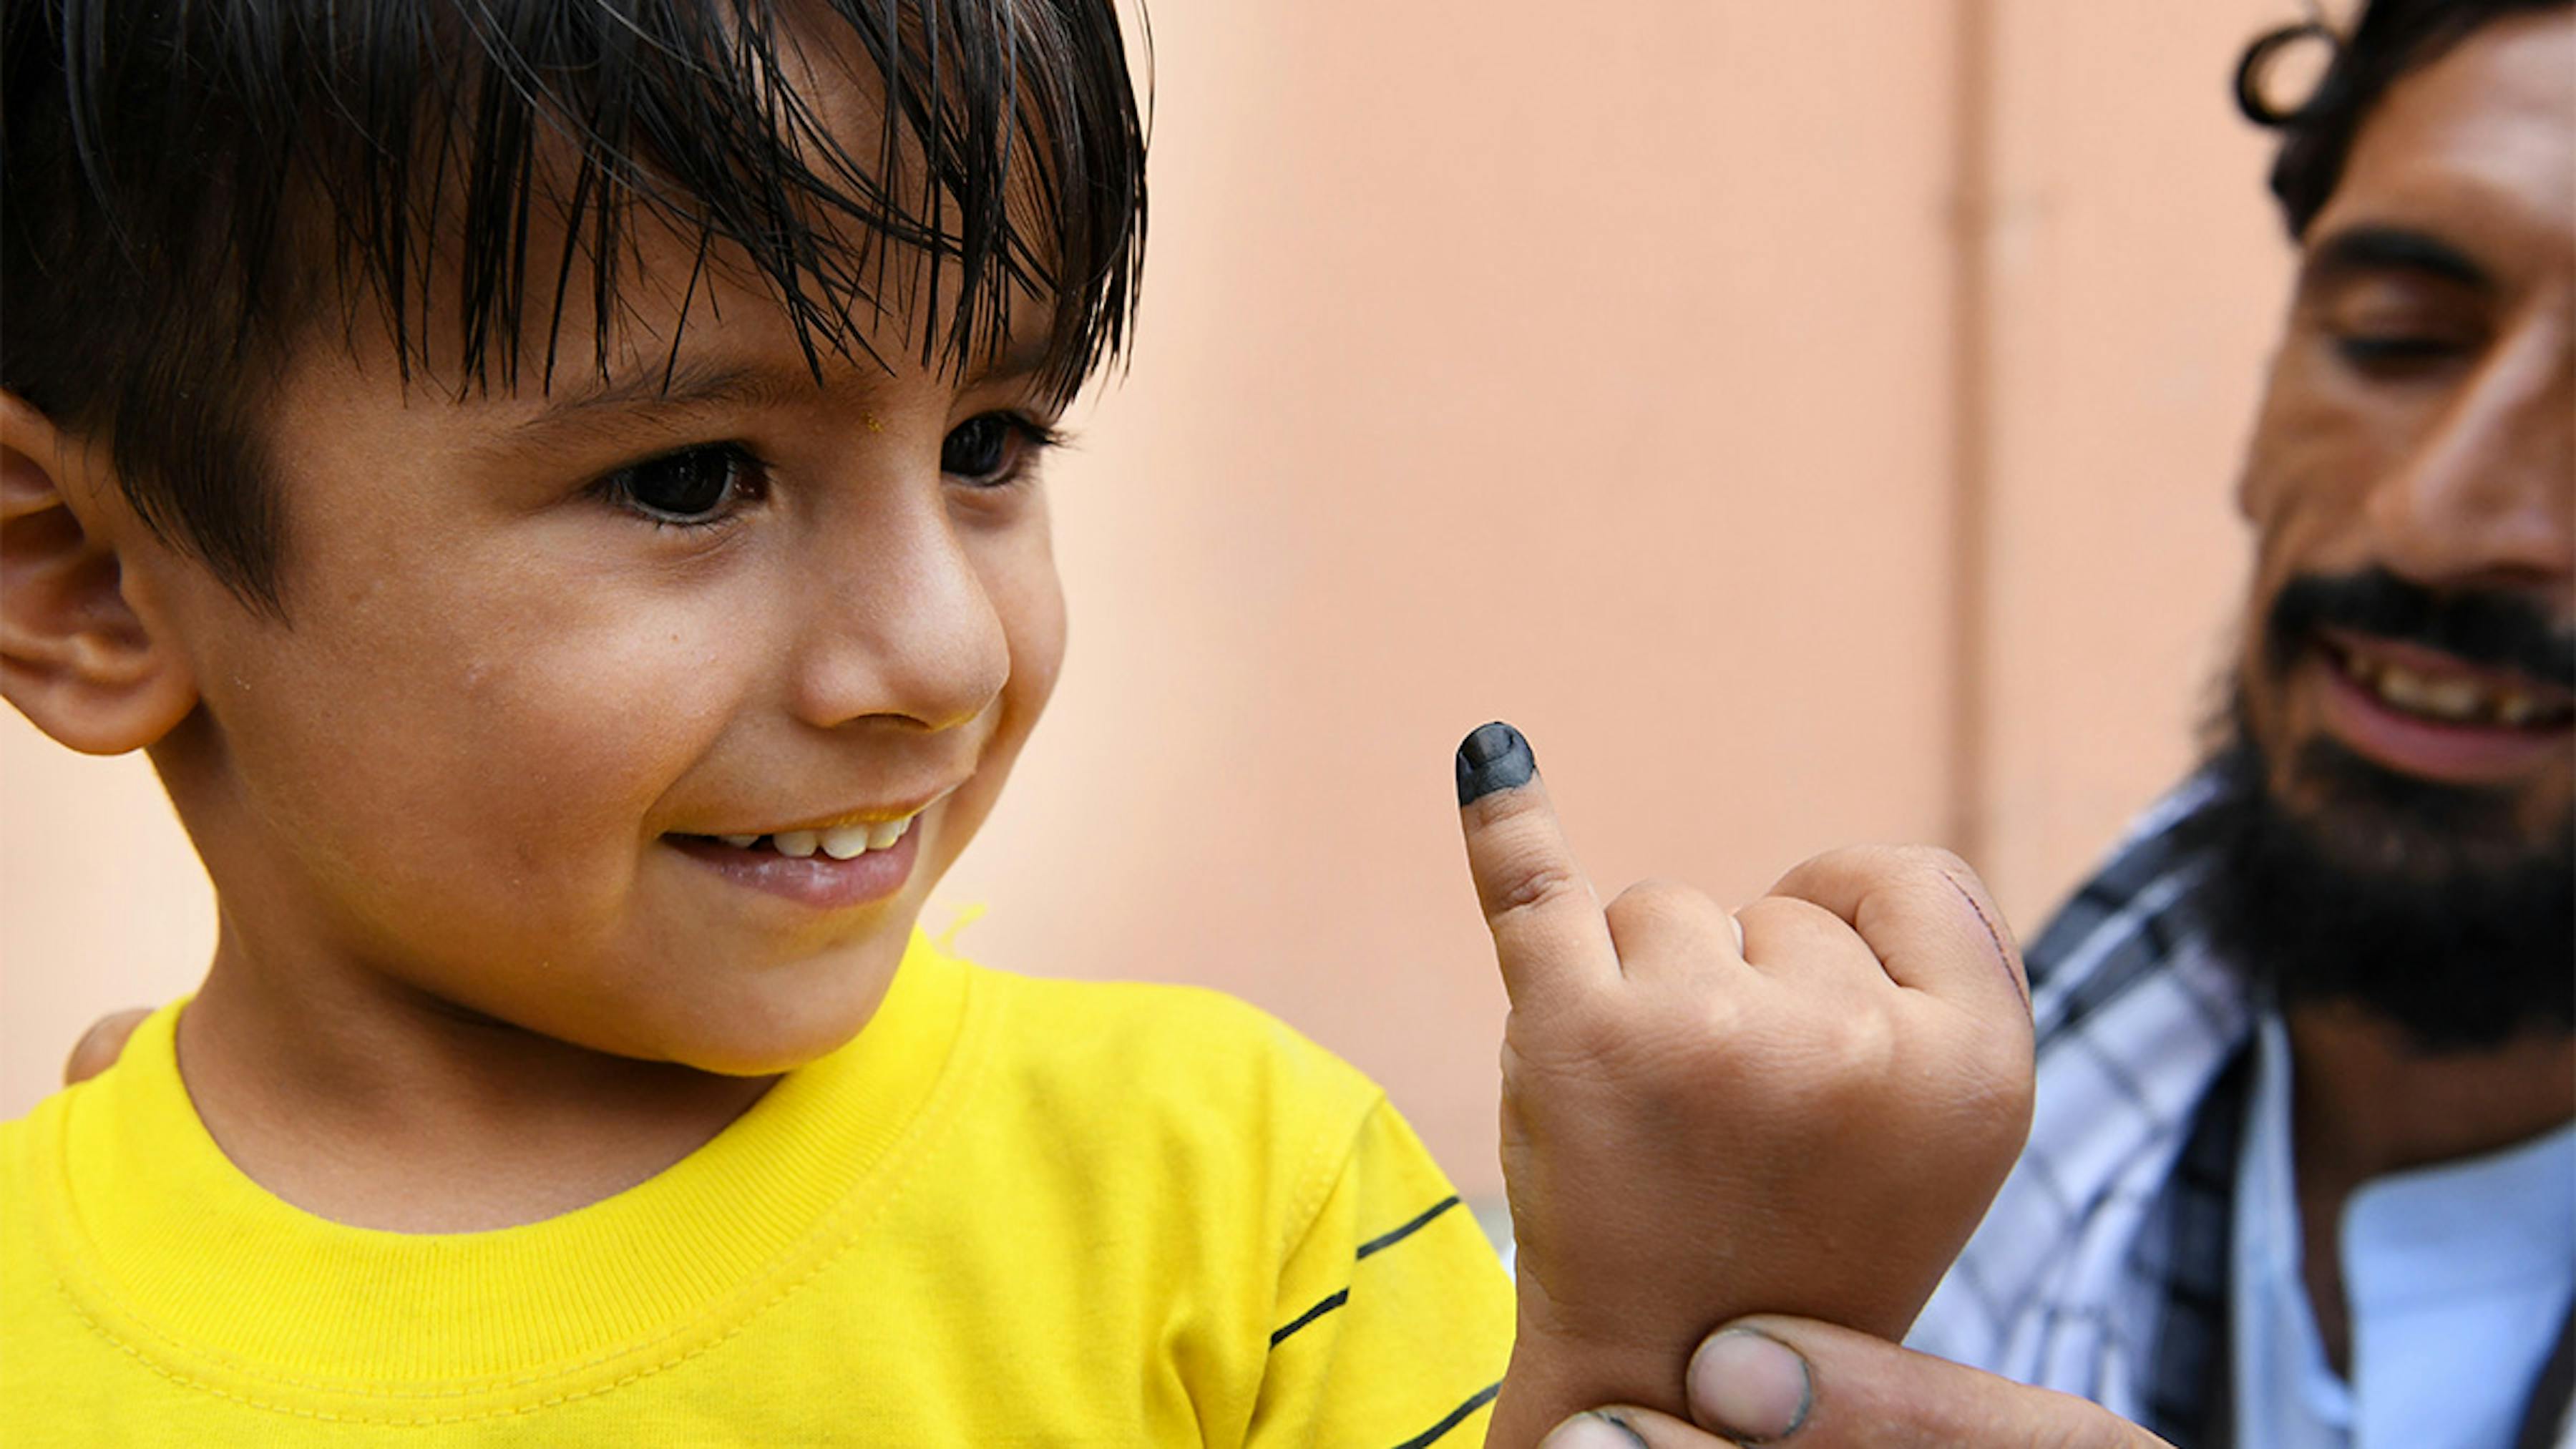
2448,698
841,842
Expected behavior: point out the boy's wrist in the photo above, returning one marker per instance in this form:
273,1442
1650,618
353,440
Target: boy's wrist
1553,1376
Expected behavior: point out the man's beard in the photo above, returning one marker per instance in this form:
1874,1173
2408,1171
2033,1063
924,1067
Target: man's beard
2427,904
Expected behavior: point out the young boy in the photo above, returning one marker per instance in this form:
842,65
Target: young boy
555,489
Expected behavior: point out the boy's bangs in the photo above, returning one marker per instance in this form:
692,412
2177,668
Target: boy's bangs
182,176
822,145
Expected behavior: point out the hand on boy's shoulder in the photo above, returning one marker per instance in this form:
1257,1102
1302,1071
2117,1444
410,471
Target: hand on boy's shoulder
1802,1108
102,1044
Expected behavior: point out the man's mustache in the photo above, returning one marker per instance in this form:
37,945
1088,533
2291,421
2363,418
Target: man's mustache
2489,627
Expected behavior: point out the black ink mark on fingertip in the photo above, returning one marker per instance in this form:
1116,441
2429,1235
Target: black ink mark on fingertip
1493,757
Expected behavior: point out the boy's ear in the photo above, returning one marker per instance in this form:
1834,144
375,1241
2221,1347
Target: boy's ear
75,656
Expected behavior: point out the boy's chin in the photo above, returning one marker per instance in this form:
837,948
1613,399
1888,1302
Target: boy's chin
773,1053
758,1024
765,1036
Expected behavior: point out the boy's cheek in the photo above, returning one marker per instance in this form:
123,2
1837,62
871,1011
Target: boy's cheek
487,788
1018,571
522,883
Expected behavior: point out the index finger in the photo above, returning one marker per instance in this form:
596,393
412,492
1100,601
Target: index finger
1549,934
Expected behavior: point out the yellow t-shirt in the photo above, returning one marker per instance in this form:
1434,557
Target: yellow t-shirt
1012,1211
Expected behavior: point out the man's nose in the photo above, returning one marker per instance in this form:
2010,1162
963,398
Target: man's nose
901,624
2488,491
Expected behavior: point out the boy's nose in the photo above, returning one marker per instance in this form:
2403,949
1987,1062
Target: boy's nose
902,625
2488,491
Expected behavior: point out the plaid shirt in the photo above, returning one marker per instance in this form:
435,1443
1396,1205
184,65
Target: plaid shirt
2102,1269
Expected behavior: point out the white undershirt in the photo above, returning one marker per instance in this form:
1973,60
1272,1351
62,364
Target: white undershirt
2456,1281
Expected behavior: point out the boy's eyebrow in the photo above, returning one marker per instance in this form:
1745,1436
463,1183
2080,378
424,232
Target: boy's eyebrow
705,385
690,387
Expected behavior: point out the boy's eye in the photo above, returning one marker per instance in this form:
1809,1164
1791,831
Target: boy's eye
691,487
991,448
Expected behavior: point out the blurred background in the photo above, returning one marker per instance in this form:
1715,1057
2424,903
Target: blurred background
1809,423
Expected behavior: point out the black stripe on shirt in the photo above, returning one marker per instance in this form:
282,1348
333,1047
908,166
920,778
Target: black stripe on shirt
1390,1239
1451,1420
1331,1301
1383,1240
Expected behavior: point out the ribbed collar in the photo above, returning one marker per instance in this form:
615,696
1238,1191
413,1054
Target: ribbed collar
173,1251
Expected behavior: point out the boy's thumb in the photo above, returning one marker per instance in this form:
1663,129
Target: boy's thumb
1549,935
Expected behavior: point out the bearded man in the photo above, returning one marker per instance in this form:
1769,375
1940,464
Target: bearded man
2302,1174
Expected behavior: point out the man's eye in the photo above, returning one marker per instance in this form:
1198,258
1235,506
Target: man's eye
2396,353
990,449
692,487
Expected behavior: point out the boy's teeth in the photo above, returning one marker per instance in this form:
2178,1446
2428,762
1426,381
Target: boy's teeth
840,842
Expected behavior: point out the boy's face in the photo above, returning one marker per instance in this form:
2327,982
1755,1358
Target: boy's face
545,650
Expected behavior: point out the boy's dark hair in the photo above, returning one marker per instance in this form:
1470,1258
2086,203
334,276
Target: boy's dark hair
2392,38
193,188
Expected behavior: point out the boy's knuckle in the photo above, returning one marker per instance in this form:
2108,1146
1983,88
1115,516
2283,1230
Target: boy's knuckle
1522,866
1781,914
1846,863
1654,906
1862,1050
1527,886
1925,860
1718,1020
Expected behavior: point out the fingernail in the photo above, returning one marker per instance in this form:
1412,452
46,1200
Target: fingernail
1593,1431
1749,1385
1494,757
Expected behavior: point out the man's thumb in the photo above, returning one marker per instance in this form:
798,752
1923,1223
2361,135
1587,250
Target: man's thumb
1807,1385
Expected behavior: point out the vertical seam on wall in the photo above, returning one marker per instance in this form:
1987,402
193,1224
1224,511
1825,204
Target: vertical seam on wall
1970,641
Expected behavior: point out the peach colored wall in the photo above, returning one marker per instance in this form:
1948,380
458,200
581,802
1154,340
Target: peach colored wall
2138,274
1606,374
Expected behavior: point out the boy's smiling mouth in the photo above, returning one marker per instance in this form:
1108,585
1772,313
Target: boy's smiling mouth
849,861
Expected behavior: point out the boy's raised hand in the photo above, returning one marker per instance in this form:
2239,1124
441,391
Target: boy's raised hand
1801,1108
